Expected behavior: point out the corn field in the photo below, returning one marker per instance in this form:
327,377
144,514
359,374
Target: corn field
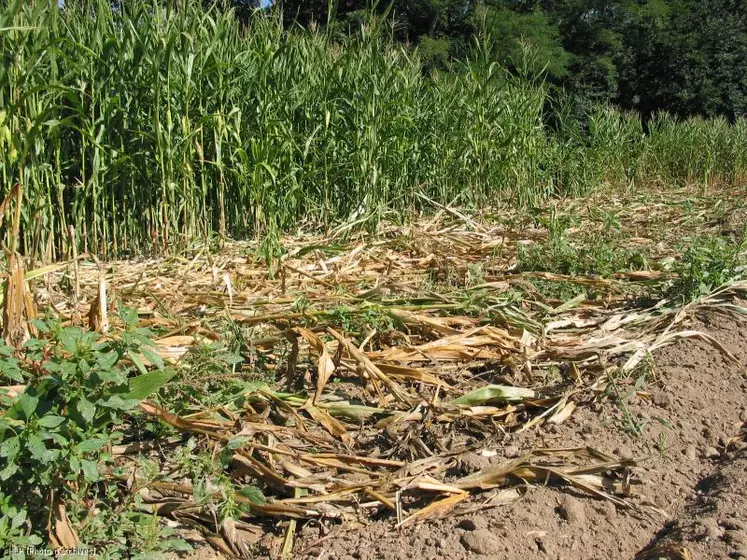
144,127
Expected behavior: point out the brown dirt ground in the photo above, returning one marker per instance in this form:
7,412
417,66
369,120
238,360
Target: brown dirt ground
694,479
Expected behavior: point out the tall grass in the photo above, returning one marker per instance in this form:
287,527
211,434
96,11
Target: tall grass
143,128
697,150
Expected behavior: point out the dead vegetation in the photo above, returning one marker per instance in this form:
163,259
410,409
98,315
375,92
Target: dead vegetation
374,373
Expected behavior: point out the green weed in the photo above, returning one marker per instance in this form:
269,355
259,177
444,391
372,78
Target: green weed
211,374
80,389
593,255
642,375
362,321
706,263
587,255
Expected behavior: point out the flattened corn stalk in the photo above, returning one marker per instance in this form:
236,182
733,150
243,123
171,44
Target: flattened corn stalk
416,351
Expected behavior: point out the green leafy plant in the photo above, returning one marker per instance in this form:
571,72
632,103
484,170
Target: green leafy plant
706,264
57,433
215,489
14,525
361,321
592,255
211,374
636,380
621,398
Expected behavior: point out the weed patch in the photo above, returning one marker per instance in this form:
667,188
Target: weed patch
57,436
706,264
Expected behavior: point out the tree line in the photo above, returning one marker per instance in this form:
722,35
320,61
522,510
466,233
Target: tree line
687,57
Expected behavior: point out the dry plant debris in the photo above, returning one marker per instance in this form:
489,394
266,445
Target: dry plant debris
387,351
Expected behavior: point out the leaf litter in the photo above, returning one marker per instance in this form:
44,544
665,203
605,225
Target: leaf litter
384,352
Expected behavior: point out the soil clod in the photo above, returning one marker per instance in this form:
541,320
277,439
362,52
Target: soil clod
481,541
572,510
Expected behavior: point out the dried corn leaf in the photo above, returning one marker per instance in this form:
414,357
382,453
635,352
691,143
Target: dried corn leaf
494,393
435,510
62,534
15,331
398,392
563,413
325,366
329,423
237,543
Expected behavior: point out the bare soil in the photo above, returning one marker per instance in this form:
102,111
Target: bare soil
692,502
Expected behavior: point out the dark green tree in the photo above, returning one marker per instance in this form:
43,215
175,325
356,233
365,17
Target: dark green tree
589,33
683,56
687,57
440,28
304,12
523,38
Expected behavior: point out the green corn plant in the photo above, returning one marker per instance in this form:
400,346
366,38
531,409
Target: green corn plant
150,126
